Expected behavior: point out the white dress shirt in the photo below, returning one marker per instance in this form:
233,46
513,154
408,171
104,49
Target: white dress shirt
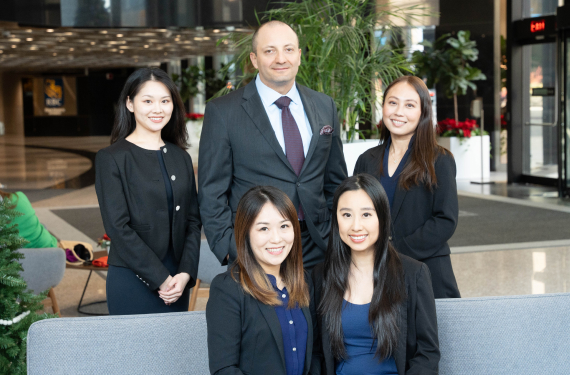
268,98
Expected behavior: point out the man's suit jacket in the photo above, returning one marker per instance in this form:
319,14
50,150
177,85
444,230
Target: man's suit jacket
134,207
239,150
244,335
417,351
423,220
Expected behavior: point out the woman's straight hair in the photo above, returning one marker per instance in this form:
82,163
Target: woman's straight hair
174,132
389,286
425,150
252,277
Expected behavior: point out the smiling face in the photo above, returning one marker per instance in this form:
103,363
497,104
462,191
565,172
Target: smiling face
278,56
152,106
271,238
401,111
358,223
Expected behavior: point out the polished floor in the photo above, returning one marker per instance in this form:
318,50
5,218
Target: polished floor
57,173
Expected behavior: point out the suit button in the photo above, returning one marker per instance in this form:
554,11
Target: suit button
298,184
164,150
173,177
390,238
177,208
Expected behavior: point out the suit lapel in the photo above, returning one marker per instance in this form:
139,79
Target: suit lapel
253,106
399,197
273,322
311,111
309,352
400,355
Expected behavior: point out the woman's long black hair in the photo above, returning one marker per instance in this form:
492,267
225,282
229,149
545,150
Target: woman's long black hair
174,132
389,286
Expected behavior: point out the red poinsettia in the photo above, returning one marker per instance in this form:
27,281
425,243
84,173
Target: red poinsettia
194,116
450,128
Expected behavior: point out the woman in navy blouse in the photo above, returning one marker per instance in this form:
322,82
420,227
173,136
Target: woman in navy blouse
259,316
376,307
418,176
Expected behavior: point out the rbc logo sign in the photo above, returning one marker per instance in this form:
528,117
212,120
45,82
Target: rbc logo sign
53,92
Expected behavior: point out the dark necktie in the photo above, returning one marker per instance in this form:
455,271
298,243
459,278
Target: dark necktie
293,140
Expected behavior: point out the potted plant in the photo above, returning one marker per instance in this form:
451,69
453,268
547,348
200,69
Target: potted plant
445,64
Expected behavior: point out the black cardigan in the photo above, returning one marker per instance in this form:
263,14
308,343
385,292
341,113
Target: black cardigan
244,335
417,351
423,220
134,207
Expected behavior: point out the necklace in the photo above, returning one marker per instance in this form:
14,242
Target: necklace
394,159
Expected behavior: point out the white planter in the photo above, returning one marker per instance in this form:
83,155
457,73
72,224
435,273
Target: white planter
467,156
194,129
353,150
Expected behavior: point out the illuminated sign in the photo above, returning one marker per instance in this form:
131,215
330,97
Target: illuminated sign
53,92
536,26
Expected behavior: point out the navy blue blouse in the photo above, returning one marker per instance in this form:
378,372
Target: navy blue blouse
360,344
294,329
391,183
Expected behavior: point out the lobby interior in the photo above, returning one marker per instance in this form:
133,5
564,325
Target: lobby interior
513,237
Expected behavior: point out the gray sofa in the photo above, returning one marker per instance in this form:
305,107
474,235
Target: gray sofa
478,336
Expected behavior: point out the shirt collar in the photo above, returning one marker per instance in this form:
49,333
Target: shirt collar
269,96
273,281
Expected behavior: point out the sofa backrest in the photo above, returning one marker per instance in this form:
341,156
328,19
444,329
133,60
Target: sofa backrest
488,335
174,343
505,335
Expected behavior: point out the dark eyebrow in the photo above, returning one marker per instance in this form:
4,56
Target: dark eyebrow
264,223
150,96
362,209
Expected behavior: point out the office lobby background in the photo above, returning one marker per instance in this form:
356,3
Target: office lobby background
513,236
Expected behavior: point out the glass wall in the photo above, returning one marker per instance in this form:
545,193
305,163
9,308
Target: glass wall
537,8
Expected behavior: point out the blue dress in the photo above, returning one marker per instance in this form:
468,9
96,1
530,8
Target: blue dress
360,345
127,294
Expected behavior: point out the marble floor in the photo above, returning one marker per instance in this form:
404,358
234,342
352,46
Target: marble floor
37,165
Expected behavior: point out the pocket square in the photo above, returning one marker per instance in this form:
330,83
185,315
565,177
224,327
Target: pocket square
327,129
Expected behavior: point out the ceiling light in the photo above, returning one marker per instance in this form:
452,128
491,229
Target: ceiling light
33,48
197,38
177,40
54,54
93,43
1,51
119,35
15,40
121,51
14,46
29,30
216,31
136,60
29,39
49,31
103,31
146,46
165,53
206,38
71,49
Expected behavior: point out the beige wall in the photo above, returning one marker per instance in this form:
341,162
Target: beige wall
12,103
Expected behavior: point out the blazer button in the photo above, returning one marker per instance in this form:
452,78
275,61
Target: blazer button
389,238
177,208
298,184
164,150
173,177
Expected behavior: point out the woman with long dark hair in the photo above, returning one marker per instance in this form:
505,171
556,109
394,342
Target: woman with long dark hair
419,178
376,307
259,316
147,194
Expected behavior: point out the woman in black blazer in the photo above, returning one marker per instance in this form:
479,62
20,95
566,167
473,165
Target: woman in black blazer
259,317
376,310
419,178
147,194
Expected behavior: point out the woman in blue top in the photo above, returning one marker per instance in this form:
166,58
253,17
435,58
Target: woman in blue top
376,310
260,313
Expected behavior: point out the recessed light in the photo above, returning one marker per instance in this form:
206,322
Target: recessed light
93,43
14,46
206,38
119,35
71,49
121,51
54,54
29,39
146,46
216,31
49,31
29,30
1,51
103,31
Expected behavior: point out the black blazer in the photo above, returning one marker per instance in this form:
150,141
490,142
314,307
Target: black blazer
134,207
417,351
423,220
244,335
239,150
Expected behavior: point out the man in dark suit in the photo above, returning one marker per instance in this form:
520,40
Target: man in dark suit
271,132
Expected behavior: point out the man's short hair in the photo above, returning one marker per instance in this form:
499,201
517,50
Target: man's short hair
270,23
